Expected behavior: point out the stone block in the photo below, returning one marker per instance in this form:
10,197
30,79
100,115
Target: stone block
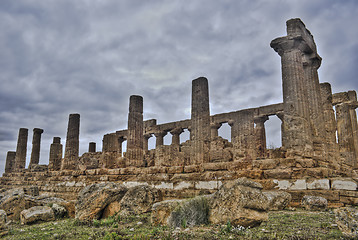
165,185
175,169
344,185
278,173
215,166
183,185
321,184
206,185
192,169
299,184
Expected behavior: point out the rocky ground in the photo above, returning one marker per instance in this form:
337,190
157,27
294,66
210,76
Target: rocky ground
286,224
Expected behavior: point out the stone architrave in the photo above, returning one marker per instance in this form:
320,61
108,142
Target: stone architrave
10,161
92,147
55,154
296,122
72,143
260,135
36,143
200,134
135,151
21,149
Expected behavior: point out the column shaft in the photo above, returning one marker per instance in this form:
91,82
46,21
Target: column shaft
55,157
21,148
10,162
92,147
72,142
36,143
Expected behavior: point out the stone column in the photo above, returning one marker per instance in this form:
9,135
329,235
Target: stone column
260,135
21,149
352,95
72,143
159,138
135,153
215,129
121,139
345,133
296,124
328,113
176,136
92,147
55,155
200,122
36,142
145,142
10,162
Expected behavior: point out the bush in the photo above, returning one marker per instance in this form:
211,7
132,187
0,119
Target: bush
190,213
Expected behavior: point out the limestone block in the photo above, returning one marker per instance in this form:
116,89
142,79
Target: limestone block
322,184
344,185
314,202
299,184
278,200
37,213
165,185
206,185
183,185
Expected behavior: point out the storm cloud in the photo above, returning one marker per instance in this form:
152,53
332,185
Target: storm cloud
88,57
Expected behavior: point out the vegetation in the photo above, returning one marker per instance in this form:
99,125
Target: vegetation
295,225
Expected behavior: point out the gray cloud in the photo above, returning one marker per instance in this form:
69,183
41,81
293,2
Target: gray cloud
60,57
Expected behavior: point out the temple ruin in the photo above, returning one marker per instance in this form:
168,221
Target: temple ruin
319,150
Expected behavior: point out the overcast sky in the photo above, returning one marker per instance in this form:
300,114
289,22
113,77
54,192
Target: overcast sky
88,57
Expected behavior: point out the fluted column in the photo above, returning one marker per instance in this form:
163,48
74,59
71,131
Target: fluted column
296,124
92,147
120,141
159,138
176,136
260,135
10,162
135,153
352,95
21,149
200,122
145,141
55,154
36,142
72,142
215,129
328,113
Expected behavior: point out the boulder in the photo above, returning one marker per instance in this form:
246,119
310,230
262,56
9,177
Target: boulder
3,219
347,221
240,202
58,210
139,199
93,199
314,202
36,214
277,200
161,211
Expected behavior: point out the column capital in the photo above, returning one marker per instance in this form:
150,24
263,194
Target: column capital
176,131
215,125
280,115
147,136
289,43
261,119
160,134
313,60
231,123
38,130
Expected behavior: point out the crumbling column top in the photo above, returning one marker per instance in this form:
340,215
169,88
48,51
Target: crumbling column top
56,140
261,119
38,130
136,104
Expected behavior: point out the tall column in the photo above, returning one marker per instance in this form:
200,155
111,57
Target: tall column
10,162
92,147
135,153
21,148
145,141
352,95
36,142
328,113
55,155
200,122
296,124
176,136
345,134
121,139
260,135
215,129
72,142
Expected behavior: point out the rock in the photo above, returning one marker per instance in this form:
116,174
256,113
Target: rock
161,211
3,219
190,213
241,202
139,199
37,213
277,200
347,220
93,199
58,210
314,202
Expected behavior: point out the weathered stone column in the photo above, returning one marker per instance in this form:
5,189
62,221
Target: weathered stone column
176,136
10,162
345,134
21,149
159,138
215,129
328,113
36,142
200,122
121,139
55,155
92,147
72,143
296,125
352,95
260,135
135,153
145,141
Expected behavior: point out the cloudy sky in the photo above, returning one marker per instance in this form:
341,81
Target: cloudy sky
88,57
